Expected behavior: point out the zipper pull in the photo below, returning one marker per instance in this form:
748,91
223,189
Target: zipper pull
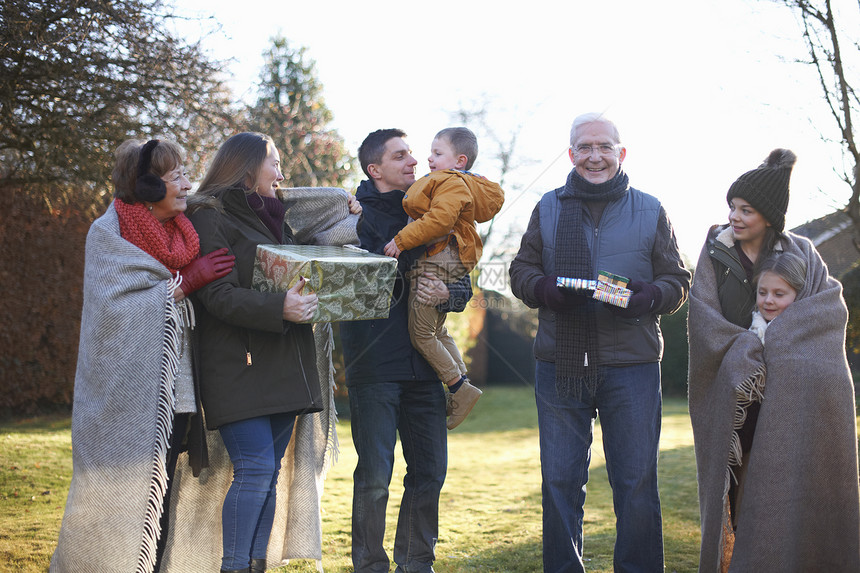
248,358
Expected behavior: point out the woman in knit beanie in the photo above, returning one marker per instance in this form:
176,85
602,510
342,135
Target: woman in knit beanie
765,189
761,414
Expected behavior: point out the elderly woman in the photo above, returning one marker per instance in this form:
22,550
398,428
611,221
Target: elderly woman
774,424
134,397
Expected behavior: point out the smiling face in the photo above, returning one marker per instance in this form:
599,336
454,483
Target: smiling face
774,295
443,156
596,166
748,225
269,174
173,203
396,170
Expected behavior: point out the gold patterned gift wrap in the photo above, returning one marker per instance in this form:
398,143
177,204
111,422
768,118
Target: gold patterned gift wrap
351,283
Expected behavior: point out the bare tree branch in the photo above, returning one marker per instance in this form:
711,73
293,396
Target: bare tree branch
821,34
79,77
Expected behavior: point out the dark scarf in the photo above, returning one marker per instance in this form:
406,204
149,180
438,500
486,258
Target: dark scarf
383,218
174,244
271,212
576,331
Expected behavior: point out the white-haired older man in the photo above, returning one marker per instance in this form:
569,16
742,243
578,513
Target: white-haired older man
594,358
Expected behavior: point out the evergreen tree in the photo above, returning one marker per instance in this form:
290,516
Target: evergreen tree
291,109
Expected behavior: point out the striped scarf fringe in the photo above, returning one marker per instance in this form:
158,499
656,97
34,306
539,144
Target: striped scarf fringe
573,386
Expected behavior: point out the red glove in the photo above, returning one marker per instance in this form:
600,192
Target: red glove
203,270
554,298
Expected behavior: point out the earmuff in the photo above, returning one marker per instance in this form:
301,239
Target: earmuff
149,186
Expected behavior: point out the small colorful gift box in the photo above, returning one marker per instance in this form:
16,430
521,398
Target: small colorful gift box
576,284
612,289
608,287
351,283
614,280
614,295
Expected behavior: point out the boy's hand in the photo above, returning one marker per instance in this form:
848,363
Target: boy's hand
391,249
354,205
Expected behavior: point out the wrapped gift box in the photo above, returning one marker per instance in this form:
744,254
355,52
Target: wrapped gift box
351,283
614,280
580,285
614,295
608,287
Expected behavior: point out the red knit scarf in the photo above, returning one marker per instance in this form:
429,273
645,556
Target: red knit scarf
174,244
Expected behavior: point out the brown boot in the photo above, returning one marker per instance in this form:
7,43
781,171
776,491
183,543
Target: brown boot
462,401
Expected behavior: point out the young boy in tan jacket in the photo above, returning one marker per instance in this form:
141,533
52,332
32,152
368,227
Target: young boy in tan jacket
445,205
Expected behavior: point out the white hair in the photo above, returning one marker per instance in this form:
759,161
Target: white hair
592,117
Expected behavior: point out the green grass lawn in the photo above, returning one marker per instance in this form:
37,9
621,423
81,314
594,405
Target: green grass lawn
490,506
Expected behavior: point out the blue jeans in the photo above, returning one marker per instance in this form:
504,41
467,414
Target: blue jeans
629,403
256,447
378,412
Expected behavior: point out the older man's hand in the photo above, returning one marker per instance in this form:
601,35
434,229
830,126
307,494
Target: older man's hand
548,293
430,290
646,298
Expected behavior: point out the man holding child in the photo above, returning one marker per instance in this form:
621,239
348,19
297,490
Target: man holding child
392,388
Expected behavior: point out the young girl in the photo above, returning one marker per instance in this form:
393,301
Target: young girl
779,280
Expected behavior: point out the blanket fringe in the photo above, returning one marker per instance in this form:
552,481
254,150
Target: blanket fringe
332,449
184,306
749,391
173,325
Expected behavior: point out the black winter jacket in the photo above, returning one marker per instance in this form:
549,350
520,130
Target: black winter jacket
380,350
252,361
735,289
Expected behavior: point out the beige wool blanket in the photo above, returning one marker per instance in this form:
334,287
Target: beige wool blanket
800,508
316,216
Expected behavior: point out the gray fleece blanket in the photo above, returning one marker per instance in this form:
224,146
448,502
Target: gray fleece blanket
799,506
316,216
122,413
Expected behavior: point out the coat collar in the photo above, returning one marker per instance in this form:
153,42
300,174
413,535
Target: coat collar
727,238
